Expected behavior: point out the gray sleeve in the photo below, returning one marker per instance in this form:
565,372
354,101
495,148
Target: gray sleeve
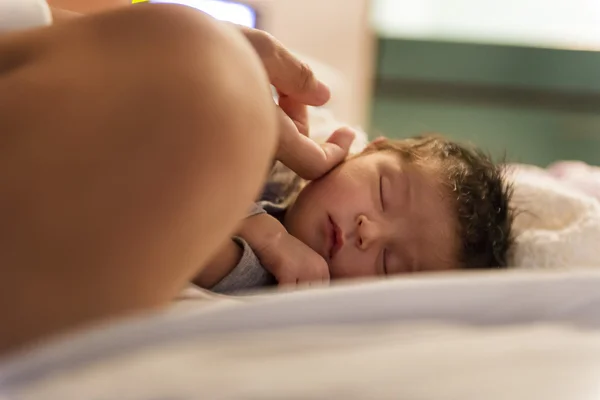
247,274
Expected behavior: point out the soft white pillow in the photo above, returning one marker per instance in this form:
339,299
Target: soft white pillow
555,225
23,14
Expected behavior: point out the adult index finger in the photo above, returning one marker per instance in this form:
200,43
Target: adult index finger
289,75
297,112
305,157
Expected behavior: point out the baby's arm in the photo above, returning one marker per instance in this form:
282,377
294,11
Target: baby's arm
231,254
284,256
261,232
220,266
279,253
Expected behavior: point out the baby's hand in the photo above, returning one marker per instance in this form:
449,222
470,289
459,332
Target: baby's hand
284,256
292,262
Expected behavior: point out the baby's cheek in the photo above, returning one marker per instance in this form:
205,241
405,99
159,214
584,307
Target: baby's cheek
341,183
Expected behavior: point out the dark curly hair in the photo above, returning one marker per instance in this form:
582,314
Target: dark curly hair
481,192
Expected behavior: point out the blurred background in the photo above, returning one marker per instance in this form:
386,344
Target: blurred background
519,78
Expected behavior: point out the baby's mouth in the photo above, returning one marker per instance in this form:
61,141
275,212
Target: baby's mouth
337,239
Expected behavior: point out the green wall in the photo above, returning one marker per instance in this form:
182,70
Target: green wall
532,105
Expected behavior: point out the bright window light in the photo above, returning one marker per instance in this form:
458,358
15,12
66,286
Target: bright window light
230,11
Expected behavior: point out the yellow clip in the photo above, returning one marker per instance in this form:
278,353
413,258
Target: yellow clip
139,1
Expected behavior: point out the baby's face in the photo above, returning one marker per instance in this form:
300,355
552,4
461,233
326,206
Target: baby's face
377,215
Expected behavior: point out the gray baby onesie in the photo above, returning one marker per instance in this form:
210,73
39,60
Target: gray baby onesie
249,272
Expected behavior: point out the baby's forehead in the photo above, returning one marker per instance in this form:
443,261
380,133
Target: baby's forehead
427,168
435,205
433,215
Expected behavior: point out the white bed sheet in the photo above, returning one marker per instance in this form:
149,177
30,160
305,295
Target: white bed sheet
493,336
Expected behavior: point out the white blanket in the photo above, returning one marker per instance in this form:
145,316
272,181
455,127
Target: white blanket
490,336
23,14
557,226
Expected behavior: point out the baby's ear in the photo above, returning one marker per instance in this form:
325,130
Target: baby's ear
375,142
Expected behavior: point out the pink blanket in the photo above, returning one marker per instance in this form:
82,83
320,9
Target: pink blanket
557,223
577,175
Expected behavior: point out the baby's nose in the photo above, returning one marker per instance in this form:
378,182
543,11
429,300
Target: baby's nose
368,233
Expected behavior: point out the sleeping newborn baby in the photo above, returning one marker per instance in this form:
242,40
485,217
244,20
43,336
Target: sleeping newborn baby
400,206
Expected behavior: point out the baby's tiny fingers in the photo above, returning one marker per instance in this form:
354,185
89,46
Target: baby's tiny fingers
285,280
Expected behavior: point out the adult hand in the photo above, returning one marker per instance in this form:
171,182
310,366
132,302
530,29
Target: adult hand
298,87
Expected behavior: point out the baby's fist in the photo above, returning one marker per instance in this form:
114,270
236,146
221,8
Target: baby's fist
294,263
